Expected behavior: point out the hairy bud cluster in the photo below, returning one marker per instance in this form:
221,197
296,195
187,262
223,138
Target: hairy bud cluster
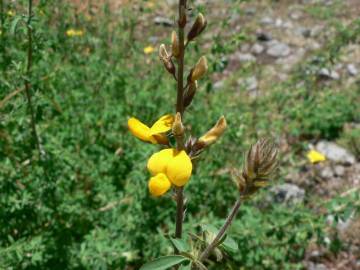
260,163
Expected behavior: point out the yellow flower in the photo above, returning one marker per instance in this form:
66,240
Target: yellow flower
169,166
11,13
74,33
149,49
154,134
315,156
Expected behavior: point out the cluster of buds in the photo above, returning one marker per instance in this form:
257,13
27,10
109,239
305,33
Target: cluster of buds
260,163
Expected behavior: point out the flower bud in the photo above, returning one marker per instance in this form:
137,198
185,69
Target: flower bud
182,18
213,134
165,58
260,162
198,26
178,127
175,44
190,93
199,70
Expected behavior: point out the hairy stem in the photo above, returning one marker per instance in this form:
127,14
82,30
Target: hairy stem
205,254
28,78
180,109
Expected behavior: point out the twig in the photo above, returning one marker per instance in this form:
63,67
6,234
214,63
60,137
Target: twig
28,78
205,254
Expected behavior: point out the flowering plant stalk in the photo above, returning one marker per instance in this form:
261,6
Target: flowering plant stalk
172,166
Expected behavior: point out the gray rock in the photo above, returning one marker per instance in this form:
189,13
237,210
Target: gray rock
316,266
278,49
245,57
250,83
266,21
326,173
295,15
219,84
329,74
250,11
278,22
287,193
335,153
339,170
263,36
352,70
257,48
163,21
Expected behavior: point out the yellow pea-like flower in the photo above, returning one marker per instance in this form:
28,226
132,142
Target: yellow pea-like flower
179,169
154,134
175,165
158,162
159,184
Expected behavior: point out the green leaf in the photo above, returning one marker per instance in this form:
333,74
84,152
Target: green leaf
179,244
185,267
163,263
230,244
14,24
226,242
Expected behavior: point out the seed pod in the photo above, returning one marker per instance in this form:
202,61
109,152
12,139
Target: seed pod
260,162
178,127
190,93
198,26
213,134
175,45
165,58
199,70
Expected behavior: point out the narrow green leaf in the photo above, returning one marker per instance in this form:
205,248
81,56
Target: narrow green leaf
179,244
14,24
185,267
163,263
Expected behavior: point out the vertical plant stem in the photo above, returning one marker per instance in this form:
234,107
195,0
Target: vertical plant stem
180,109
28,78
205,254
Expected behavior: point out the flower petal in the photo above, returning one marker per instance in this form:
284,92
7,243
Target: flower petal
140,130
158,162
179,169
159,184
315,156
162,125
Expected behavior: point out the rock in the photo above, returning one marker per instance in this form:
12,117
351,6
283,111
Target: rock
278,49
335,153
245,57
339,170
287,193
303,31
250,11
250,83
352,70
278,22
326,173
163,21
263,36
328,74
295,15
257,48
316,266
266,20
219,84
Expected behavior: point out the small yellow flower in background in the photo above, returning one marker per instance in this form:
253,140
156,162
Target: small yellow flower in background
74,33
154,134
168,166
315,156
11,13
149,49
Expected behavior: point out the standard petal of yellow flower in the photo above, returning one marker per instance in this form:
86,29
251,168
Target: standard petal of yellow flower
179,169
159,161
140,130
149,49
159,184
162,125
315,156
